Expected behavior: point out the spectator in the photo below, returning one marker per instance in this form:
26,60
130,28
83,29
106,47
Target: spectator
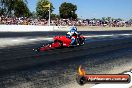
63,22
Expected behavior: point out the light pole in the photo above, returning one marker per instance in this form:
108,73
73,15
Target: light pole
48,6
49,15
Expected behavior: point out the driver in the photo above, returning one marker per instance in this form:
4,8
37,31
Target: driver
71,33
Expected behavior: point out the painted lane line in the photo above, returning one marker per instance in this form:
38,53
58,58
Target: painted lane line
15,40
109,35
32,39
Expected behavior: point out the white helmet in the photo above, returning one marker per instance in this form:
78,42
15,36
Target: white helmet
75,28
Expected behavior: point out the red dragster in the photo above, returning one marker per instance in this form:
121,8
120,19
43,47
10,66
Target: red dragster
62,41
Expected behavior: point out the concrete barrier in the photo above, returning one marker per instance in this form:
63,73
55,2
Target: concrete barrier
30,28
60,28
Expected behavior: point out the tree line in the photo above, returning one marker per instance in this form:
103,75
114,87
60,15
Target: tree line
19,8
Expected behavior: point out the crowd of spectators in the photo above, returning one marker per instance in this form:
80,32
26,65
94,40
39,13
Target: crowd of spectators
63,22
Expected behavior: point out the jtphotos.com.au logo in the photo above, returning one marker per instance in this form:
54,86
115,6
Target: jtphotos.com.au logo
123,78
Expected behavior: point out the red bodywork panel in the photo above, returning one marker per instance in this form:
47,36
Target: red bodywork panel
51,46
66,41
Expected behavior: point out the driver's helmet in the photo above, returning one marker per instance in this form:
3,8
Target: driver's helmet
74,28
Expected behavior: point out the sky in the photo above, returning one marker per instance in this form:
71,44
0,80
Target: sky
94,8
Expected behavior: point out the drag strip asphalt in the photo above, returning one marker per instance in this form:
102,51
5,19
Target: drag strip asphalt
23,56
21,67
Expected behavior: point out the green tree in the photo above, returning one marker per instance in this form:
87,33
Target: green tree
2,11
58,16
15,7
33,15
108,18
103,18
42,11
119,19
67,10
21,9
54,16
